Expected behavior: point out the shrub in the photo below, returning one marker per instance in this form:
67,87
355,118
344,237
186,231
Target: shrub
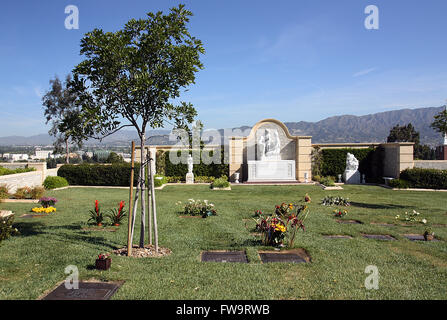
99,175
181,169
204,179
6,229
4,192
399,183
37,192
52,182
23,193
327,181
174,179
6,171
159,180
221,182
425,178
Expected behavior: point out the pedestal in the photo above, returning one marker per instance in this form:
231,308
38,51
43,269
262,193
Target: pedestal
352,176
189,178
271,170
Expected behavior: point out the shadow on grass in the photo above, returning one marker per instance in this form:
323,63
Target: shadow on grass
27,229
377,206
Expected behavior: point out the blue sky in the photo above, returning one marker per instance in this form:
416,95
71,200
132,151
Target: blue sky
292,60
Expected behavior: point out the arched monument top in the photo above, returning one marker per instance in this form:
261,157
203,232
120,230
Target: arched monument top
277,122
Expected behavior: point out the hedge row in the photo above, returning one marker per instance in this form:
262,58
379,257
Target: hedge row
165,167
333,162
424,178
117,175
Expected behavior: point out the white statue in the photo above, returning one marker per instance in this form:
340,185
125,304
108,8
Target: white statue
351,162
190,164
190,175
352,174
270,146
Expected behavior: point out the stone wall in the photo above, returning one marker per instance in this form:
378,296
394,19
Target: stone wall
27,179
431,164
398,156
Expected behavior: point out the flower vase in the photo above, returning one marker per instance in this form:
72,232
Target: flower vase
103,264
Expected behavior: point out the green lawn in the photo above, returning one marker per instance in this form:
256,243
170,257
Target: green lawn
34,262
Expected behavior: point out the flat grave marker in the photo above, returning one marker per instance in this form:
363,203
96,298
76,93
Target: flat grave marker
417,237
87,291
379,237
289,256
224,256
349,221
336,236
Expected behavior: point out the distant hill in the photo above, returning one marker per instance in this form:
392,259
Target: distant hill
369,128
346,128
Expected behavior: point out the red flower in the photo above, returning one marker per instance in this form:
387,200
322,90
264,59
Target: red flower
121,207
96,206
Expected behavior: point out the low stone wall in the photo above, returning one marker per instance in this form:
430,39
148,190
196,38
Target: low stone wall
19,180
28,179
431,164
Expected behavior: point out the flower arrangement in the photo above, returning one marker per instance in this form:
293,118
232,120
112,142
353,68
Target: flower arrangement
283,209
103,256
307,198
96,215
43,209
429,234
411,217
286,221
116,215
198,208
48,202
335,201
339,213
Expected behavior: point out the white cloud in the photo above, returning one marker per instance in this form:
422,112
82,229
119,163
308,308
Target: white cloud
364,72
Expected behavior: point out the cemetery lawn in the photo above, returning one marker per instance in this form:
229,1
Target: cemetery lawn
34,262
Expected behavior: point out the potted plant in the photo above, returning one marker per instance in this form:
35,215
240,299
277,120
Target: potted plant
116,215
96,215
103,262
47,202
429,235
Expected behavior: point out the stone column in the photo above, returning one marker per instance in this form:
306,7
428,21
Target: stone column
303,160
236,158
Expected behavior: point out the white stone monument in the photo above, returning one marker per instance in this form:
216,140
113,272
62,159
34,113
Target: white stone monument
352,173
190,175
269,166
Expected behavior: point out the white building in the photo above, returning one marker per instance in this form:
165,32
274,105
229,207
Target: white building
43,154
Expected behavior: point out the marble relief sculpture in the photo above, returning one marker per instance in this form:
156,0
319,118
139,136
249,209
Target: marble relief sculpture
270,145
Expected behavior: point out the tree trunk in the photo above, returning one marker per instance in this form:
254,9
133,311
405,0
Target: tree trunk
67,161
154,207
149,197
134,214
143,189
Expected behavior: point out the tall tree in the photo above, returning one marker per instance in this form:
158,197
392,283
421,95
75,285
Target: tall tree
409,134
440,123
63,114
130,78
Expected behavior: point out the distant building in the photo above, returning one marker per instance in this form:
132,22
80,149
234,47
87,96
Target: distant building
43,154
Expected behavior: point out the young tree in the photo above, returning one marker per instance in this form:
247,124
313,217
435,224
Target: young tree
63,113
130,78
440,123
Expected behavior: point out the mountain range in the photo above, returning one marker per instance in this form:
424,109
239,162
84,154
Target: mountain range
337,129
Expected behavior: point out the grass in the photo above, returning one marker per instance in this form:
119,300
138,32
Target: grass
34,262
